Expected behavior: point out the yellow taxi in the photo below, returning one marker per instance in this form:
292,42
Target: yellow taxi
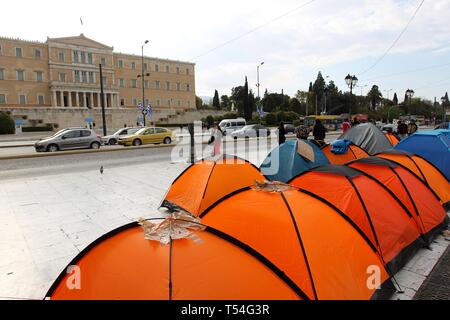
147,136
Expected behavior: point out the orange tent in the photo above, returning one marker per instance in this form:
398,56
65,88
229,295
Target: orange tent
123,265
317,246
207,181
371,206
354,152
420,200
393,140
423,169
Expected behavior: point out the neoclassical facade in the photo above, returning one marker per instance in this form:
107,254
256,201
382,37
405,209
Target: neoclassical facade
64,73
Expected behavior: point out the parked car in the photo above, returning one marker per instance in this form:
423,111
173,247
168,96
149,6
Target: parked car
69,139
228,126
114,138
290,128
251,131
147,136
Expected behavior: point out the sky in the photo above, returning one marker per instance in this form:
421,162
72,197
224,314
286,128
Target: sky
294,38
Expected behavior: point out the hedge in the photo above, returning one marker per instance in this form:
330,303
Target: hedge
7,124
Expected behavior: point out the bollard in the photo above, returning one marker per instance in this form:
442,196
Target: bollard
191,132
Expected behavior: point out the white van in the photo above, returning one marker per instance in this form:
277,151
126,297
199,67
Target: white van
228,126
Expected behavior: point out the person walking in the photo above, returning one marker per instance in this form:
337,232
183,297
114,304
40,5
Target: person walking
402,130
346,126
281,133
319,133
216,139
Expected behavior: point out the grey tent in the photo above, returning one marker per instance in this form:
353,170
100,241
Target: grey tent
368,137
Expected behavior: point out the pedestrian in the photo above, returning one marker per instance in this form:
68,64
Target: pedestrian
216,139
346,125
181,128
302,132
412,127
402,130
281,133
125,125
355,122
319,133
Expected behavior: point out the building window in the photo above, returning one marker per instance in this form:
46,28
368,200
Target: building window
157,67
2,74
84,76
178,86
188,87
19,52
158,85
167,69
135,103
134,83
167,85
61,56
76,57
91,77
189,104
122,102
179,103
146,85
133,65
62,76
83,57
168,103
90,59
122,83
178,70
103,61
120,63
158,102
1,51
147,102
145,67
37,53
187,71
104,81
2,99
39,76
22,99
77,76
41,100
20,75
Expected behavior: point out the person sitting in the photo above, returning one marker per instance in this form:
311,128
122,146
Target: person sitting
402,130
319,133
412,127
302,132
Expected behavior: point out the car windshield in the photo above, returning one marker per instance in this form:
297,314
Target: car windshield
249,127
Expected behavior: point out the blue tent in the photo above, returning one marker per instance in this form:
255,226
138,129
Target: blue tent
432,145
285,163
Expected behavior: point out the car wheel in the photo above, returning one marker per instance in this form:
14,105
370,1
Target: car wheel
112,142
167,140
95,145
137,143
52,148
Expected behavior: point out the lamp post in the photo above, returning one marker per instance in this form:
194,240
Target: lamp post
410,95
257,75
143,75
325,93
351,82
444,111
388,93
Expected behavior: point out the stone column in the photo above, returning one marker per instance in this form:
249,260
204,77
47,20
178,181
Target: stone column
99,100
78,99
62,98
84,100
55,99
91,99
106,100
70,99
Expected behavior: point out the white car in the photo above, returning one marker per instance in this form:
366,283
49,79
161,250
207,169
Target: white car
114,138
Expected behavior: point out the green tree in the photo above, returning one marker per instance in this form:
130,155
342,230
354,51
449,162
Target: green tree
395,99
216,101
296,106
198,102
375,97
7,125
225,103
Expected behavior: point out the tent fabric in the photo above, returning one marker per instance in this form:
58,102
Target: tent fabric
123,265
368,137
431,145
354,152
393,140
370,205
284,162
424,170
207,181
423,205
314,244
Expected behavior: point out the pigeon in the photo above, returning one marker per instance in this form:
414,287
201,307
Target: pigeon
101,170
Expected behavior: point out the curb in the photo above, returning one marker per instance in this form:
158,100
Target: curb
17,146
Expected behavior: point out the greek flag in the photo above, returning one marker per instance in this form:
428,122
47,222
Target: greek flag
261,111
141,106
150,110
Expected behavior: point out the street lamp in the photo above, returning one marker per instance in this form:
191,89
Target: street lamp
388,93
325,93
444,111
257,75
142,75
351,82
